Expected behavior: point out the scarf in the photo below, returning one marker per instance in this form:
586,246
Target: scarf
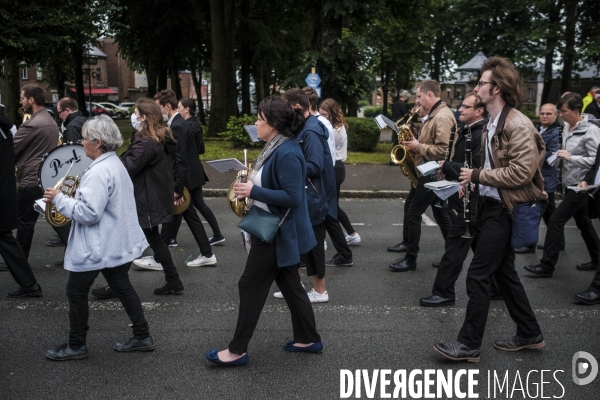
264,155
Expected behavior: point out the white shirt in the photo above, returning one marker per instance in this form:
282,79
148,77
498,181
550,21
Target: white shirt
170,121
258,182
330,139
489,191
341,143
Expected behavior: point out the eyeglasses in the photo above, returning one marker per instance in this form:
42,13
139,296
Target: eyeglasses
546,114
61,111
483,83
466,107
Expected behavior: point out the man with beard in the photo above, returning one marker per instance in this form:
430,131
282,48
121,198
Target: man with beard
33,139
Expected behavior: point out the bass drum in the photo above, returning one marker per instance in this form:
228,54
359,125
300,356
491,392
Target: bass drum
57,162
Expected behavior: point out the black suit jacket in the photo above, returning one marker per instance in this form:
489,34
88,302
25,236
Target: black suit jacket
594,200
451,168
399,110
187,169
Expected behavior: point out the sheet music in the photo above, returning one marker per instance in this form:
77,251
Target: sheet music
552,160
443,189
384,122
428,167
578,189
252,132
227,165
40,206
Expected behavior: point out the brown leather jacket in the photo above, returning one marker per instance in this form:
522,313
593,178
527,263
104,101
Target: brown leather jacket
435,135
518,152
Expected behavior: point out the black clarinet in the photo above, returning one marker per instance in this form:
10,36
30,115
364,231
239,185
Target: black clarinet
559,189
439,203
466,202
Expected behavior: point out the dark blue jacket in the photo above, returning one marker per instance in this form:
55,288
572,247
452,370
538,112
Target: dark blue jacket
313,143
282,187
549,172
329,175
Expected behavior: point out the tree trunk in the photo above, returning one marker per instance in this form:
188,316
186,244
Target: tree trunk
162,78
437,57
353,107
223,104
151,79
77,53
246,60
12,90
332,23
259,86
198,87
175,81
551,43
569,54
384,92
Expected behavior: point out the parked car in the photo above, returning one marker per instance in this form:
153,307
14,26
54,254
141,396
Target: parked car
119,112
97,109
51,109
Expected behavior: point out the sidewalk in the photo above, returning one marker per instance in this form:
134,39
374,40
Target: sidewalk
362,181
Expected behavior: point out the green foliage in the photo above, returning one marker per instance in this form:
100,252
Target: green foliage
236,134
363,134
372,112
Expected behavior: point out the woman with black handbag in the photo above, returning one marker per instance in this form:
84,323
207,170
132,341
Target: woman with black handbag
276,186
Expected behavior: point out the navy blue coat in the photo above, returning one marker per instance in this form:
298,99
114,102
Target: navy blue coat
312,140
329,175
549,172
282,180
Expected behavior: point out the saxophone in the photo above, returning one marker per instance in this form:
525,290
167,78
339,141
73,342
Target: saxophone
401,156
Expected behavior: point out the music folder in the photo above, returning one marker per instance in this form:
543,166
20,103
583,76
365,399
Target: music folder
384,122
227,165
252,132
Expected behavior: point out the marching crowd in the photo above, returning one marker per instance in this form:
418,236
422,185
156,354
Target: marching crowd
125,203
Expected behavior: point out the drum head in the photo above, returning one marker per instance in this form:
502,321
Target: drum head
57,162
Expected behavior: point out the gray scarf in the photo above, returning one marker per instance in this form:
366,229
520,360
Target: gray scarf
264,155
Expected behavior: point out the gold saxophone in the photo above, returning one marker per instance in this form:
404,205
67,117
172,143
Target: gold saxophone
401,156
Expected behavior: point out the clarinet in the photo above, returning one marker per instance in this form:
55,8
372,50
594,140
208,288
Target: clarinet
439,203
466,202
559,189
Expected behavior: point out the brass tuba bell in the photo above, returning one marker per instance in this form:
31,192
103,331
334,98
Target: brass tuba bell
239,207
68,185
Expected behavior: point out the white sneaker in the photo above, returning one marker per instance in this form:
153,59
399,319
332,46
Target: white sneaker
325,245
315,297
148,263
353,240
203,261
279,295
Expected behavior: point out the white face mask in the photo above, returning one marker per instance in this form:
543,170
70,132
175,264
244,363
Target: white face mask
165,116
137,125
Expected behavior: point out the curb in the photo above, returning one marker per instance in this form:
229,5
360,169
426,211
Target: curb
352,194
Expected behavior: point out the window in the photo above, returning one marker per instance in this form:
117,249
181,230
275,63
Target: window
448,94
38,73
530,94
457,94
98,74
24,75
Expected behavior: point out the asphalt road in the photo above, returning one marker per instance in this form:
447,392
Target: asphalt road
372,322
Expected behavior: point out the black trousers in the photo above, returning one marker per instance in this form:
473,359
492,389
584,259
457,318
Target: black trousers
63,233
548,209
340,177
595,286
315,258
336,234
205,211
78,288
161,253
27,216
495,256
254,285
573,205
194,223
15,260
417,204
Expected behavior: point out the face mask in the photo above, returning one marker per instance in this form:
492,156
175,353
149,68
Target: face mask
137,125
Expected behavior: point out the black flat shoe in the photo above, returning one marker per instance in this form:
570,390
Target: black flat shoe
517,343
457,351
541,247
588,266
34,290
213,357
436,301
56,242
588,297
135,344
404,265
399,248
539,270
435,264
64,352
524,250
3,266
104,293
173,287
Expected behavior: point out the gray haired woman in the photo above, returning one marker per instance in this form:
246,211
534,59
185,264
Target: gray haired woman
103,202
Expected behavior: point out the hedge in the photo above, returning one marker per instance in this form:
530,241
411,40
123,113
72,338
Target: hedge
363,134
372,112
236,134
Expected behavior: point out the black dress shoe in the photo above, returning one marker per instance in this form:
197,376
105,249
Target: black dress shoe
588,297
59,264
3,266
457,351
65,352
172,287
524,250
135,344
399,248
517,343
105,292
540,270
34,290
56,242
541,247
588,266
404,265
339,261
436,301
435,264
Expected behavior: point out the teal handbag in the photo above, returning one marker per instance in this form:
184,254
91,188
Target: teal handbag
261,224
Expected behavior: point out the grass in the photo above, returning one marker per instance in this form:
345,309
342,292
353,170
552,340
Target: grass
217,149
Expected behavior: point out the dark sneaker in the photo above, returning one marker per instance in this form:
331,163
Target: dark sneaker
104,293
588,266
3,266
173,287
516,343
65,352
339,261
173,243
56,242
135,344
216,240
457,351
